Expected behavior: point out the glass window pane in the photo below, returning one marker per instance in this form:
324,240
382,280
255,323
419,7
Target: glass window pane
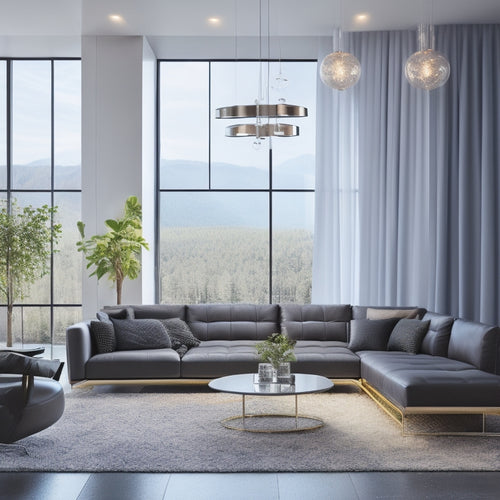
32,325
67,124
67,261
31,124
293,226
236,163
184,125
40,291
214,247
64,317
3,124
294,157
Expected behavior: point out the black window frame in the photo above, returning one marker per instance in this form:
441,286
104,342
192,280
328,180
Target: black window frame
10,191
270,189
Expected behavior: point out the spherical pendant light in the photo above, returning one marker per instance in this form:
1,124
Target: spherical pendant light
340,70
427,69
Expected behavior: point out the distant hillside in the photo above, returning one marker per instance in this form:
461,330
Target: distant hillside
36,175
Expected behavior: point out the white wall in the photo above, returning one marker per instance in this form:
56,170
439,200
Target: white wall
148,171
116,118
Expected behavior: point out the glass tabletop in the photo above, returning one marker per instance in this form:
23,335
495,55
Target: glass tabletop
244,384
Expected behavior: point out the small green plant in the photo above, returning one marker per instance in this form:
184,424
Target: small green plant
28,237
117,252
276,349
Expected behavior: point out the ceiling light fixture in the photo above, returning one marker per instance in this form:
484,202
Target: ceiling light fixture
213,20
261,110
116,18
427,68
339,70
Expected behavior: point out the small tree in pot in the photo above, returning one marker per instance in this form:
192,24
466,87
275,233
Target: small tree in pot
27,238
117,252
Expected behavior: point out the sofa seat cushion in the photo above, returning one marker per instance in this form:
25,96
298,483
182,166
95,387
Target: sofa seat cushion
145,363
217,358
424,380
328,358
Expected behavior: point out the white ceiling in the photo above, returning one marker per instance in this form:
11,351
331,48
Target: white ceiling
189,17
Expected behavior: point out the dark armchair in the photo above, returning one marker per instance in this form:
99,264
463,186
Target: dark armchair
31,398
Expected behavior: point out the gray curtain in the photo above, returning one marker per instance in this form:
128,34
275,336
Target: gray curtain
428,166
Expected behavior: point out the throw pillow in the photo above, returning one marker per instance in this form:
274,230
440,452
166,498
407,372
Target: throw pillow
372,313
180,333
407,335
117,313
102,316
103,334
132,334
370,335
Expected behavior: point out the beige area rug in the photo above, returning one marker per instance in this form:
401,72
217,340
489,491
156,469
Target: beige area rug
178,430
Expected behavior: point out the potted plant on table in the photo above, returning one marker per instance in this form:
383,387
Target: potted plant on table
277,350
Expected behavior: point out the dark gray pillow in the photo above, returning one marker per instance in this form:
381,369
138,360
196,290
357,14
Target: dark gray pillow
370,334
116,313
132,334
407,335
103,334
180,333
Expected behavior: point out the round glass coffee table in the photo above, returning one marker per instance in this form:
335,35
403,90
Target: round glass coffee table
247,385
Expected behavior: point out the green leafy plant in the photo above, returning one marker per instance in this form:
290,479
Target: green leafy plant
117,252
28,237
276,349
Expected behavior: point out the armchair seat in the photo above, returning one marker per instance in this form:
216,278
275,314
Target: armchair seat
29,403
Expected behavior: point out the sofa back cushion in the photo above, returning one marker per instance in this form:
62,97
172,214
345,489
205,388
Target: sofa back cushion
360,312
316,322
233,321
159,311
438,336
477,344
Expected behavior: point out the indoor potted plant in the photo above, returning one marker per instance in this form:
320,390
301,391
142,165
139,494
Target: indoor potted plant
277,350
117,252
28,237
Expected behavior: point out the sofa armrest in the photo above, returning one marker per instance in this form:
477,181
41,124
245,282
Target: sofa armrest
477,344
78,350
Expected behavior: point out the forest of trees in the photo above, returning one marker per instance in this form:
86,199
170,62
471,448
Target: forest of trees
228,264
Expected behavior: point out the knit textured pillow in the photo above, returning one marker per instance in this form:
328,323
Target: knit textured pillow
133,334
180,333
104,336
407,335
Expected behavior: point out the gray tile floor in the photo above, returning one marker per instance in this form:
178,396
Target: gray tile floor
263,486
267,486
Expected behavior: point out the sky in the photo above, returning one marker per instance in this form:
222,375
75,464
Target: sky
185,114
31,111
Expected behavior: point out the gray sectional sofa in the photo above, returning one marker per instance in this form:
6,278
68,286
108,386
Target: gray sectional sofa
456,368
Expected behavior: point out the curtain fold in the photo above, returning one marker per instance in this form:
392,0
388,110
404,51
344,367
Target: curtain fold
424,226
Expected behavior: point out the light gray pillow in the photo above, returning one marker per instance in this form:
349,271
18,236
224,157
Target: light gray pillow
134,334
374,313
407,335
370,335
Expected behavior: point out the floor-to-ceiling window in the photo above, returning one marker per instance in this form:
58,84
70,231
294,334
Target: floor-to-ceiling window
40,164
235,218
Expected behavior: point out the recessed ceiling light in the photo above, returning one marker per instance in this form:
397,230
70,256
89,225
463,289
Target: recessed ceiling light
214,21
116,18
362,18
